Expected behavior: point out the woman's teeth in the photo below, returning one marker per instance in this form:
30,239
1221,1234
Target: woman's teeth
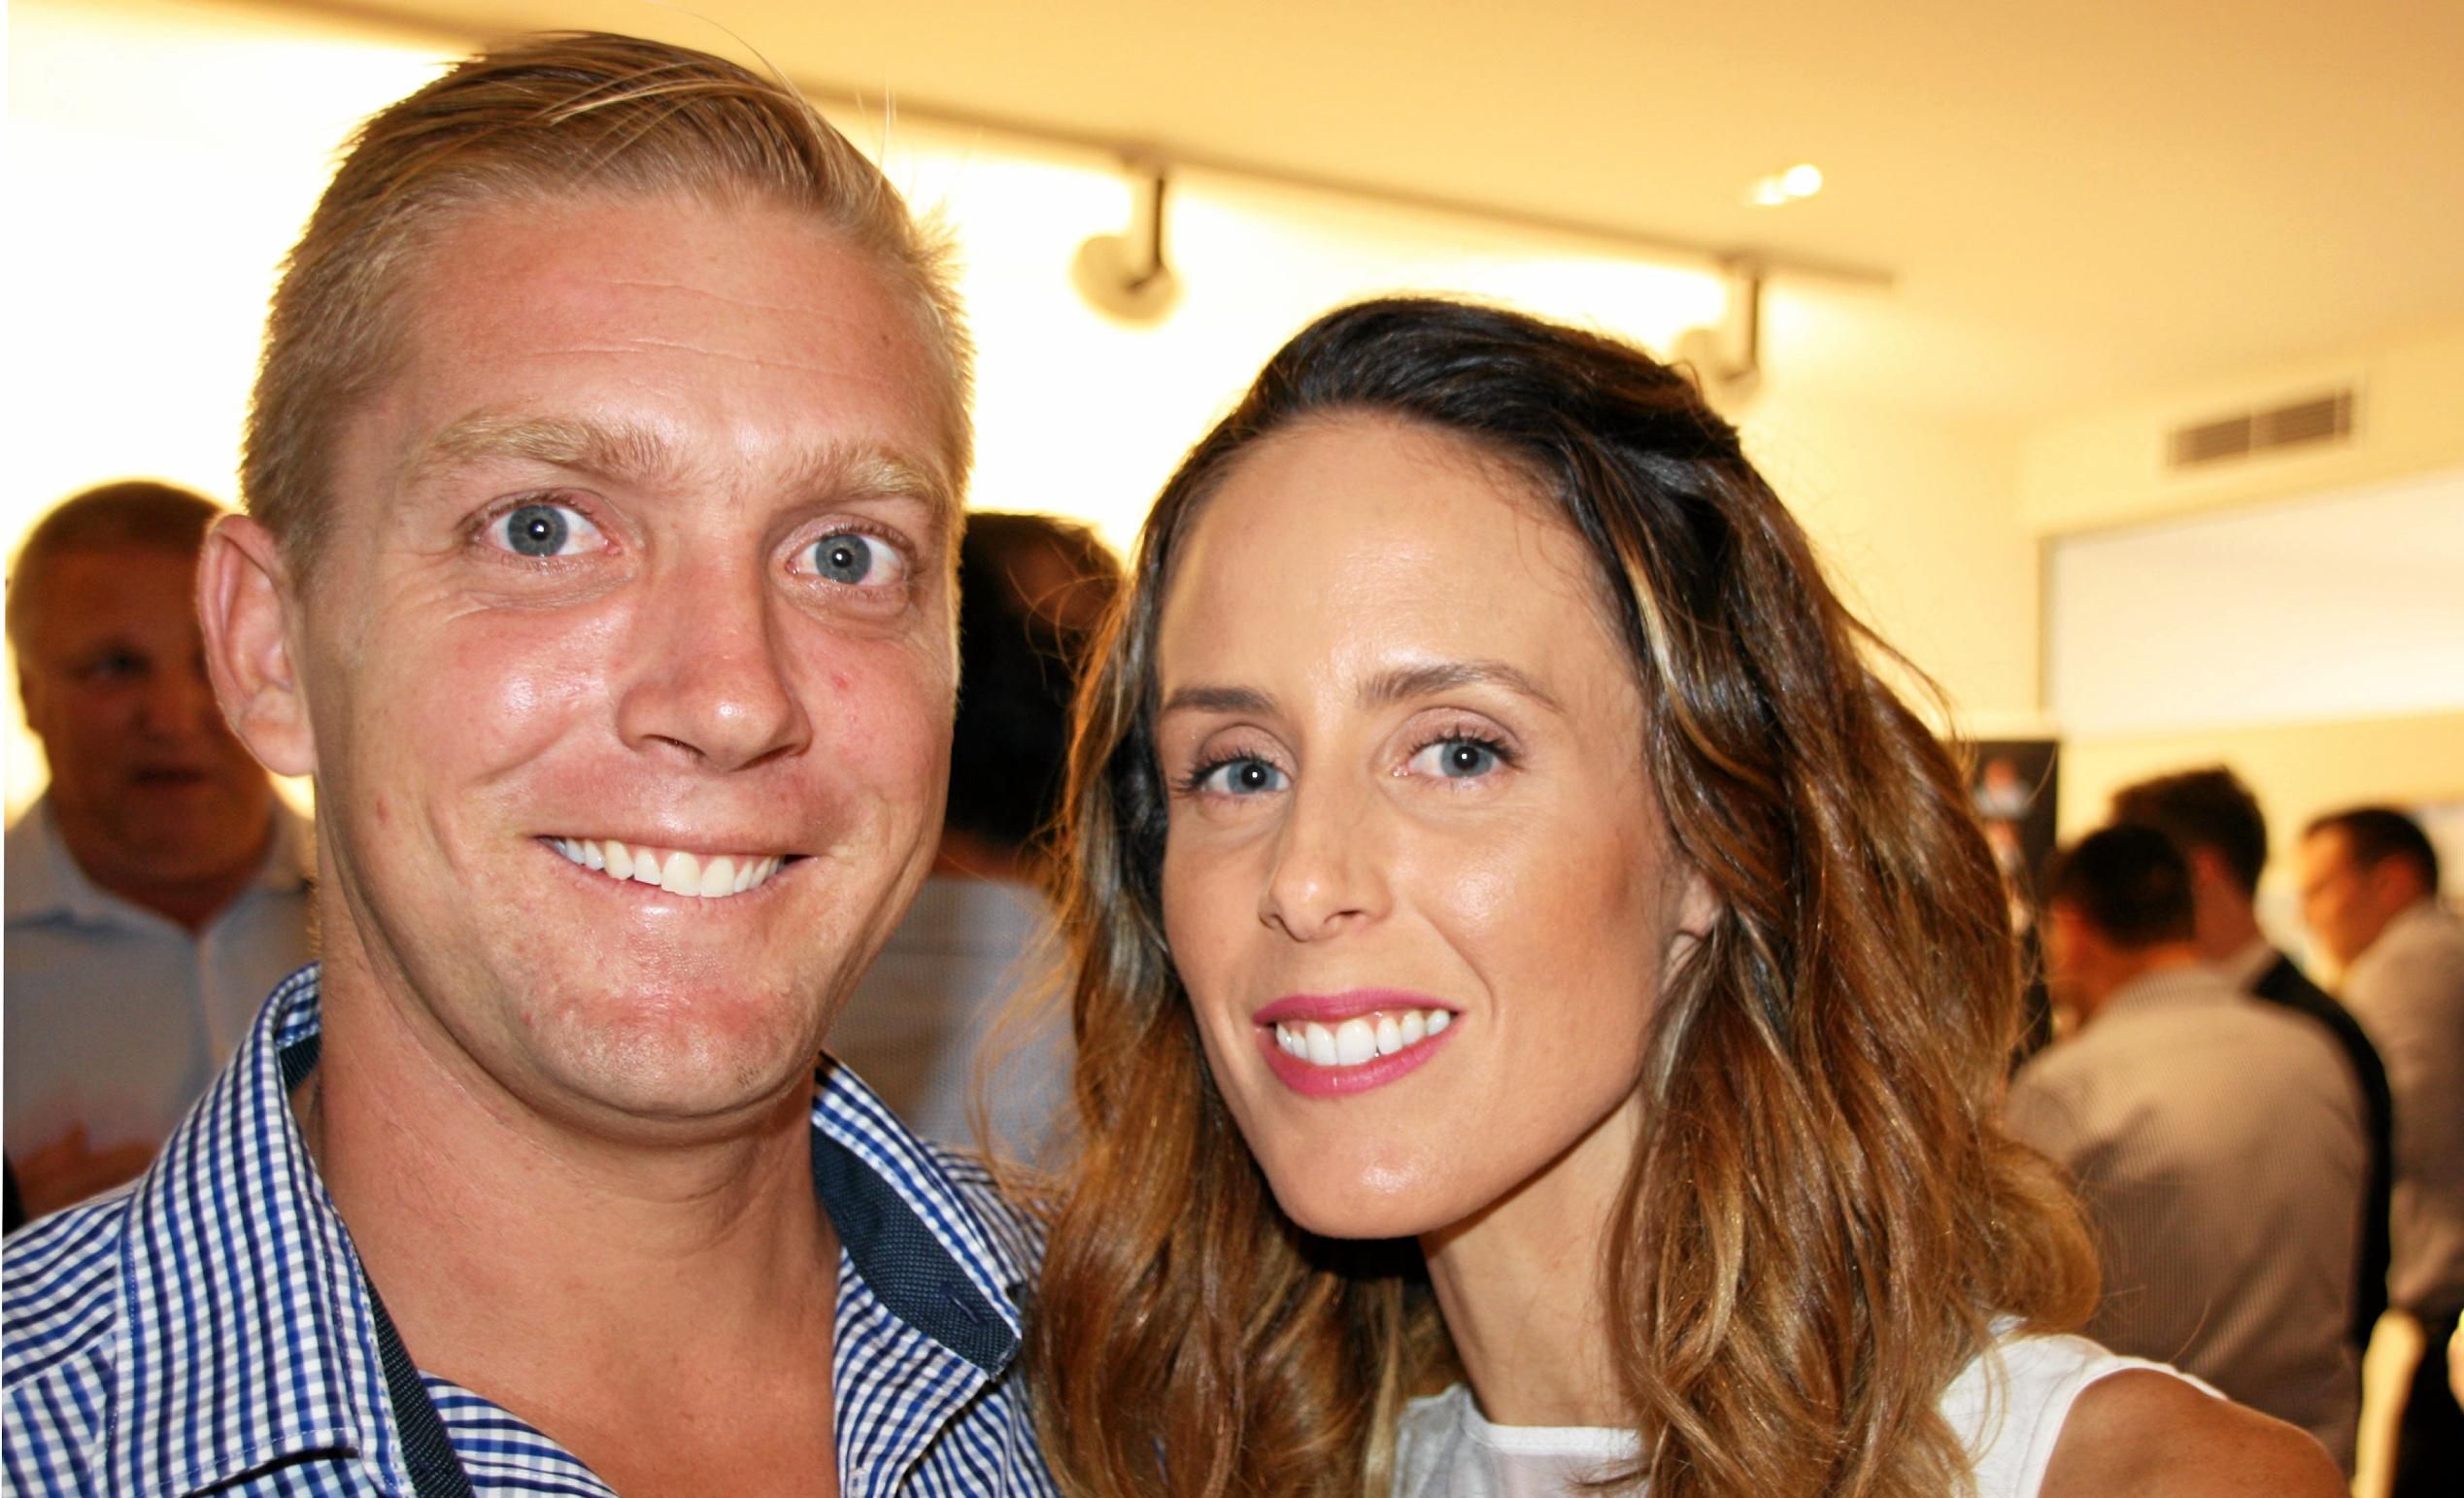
1360,1039
678,873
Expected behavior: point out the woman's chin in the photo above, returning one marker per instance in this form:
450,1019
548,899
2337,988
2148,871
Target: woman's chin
1363,1203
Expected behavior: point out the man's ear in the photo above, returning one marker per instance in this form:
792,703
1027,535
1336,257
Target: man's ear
2393,884
246,602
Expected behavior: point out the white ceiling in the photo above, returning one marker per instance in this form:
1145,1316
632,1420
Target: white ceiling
2077,203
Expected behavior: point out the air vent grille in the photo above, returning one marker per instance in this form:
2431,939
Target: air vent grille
2324,417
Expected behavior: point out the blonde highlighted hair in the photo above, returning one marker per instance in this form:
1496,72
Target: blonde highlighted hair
547,117
1822,1219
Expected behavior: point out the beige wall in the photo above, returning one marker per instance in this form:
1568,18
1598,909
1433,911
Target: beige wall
2102,470
2299,769
125,122
2104,467
1916,517
186,142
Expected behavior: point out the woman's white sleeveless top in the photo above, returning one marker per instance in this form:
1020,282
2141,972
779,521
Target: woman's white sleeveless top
2009,1406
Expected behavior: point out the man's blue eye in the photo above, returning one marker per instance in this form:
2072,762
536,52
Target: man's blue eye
844,557
1242,777
852,559
542,530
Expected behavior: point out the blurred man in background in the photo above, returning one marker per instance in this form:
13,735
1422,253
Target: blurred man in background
158,889
2217,1141
2370,883
934,1016
2215,822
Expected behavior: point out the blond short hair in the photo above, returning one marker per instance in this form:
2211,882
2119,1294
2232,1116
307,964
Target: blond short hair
549,117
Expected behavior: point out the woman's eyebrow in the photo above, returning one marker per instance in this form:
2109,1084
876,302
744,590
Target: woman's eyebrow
1397,684
1402,683
1217,699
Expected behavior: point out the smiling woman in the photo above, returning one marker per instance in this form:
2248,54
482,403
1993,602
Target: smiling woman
1528,961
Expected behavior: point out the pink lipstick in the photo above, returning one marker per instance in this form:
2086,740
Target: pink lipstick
1335,1044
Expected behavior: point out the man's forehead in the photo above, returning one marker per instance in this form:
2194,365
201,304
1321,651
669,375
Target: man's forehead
490,286
116,594
641,452
134,570
2327,844
2326,855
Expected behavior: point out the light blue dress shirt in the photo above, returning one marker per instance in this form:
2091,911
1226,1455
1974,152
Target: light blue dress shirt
116,1018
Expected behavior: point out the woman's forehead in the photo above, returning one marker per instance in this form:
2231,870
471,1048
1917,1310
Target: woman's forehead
1356,477
1366,538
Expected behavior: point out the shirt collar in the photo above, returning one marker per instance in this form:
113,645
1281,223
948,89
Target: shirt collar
2189,983
927,1254
2421,914
45,883
246,1337
2248,964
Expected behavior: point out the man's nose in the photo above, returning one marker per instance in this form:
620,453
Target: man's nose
709,675
178,699
1330,869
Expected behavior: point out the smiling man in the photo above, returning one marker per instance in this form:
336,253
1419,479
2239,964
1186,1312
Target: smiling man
602,484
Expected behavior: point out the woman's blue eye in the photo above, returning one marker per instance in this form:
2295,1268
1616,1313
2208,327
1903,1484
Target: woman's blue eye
542,530
1456,759
853,560
1241,777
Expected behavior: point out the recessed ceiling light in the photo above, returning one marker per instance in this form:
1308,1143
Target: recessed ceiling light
1801,180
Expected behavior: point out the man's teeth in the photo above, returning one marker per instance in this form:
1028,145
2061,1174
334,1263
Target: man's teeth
677,873
1360,1039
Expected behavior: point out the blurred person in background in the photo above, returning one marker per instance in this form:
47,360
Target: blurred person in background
2370,888
2217,1143
159,888
934,1013
2215,822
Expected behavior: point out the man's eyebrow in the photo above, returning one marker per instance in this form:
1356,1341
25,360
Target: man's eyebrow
838,471
864,471
566,442
1405,682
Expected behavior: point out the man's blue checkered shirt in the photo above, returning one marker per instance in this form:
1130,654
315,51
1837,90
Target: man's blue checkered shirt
208,1329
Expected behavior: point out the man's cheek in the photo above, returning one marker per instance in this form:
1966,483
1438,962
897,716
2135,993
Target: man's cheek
889,703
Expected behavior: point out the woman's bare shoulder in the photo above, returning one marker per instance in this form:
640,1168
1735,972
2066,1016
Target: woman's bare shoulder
2142,1434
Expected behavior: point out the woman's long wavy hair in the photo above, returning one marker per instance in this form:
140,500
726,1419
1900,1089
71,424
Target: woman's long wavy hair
1822,1217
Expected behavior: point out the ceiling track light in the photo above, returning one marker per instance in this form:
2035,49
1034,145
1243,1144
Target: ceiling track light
1143,161
1726,358
1125,276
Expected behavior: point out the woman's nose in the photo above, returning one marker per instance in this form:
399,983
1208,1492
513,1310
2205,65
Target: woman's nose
1327,874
